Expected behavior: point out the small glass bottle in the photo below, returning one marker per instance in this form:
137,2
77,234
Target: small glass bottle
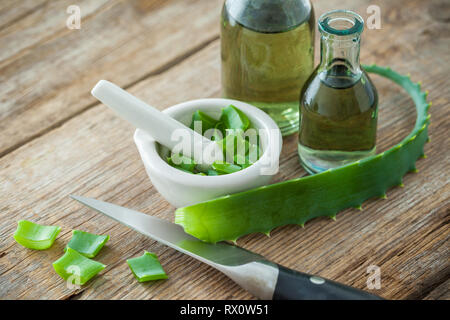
267,55
339,103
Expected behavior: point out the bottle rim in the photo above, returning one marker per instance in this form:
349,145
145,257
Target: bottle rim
341,23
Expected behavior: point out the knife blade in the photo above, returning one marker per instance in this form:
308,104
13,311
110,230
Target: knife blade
264,279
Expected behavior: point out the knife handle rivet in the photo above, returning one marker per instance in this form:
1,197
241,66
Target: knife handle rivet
316,280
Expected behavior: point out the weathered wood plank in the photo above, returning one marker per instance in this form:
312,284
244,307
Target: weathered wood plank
397,234
93,155
11,11
49,81
442,292
39,24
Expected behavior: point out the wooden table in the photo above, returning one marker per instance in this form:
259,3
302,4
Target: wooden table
56,140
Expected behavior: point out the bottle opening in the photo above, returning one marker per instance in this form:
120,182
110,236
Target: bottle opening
341,23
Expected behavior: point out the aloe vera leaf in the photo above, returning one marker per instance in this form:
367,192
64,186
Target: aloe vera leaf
225,168
146,267
87,244
182,162
206,121
299,200
75,265
233,118
35,236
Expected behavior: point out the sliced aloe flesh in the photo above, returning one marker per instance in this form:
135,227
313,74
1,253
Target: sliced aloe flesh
325,194
35,236
225,168
234,144
253,155
76,267
87,244
212,173
146,267
219,132
228,132
201,118
181,162
233,118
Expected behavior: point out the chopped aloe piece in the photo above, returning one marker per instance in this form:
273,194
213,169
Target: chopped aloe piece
234,144
206,121
212,173
219,133
146,267
181,162
86,243
254,153
233,118
35,236
225,167
242,161
201,174
75,264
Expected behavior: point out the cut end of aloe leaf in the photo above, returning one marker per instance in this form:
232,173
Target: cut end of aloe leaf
76,268
146,267
87,244
35,236
300,200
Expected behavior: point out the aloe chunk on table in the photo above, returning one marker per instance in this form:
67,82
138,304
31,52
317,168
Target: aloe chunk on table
75,264
146,267
35,236
87,244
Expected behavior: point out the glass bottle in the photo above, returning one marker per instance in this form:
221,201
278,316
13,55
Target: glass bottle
267,53
339,103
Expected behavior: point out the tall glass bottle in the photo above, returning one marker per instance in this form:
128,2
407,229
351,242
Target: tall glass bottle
267,55
339,103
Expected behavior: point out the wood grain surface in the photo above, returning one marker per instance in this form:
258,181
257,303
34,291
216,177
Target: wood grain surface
57,140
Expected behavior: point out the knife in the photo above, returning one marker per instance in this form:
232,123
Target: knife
264,279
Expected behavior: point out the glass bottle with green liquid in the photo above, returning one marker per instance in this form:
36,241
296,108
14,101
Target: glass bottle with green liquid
339,103
267,55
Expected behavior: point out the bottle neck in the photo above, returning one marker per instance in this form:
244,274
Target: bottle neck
340,32
269,16
340,53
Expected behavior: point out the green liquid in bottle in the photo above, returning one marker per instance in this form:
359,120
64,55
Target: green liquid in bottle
338,119
267,64
339,103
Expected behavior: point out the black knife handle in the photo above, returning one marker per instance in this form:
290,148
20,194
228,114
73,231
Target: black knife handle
294,285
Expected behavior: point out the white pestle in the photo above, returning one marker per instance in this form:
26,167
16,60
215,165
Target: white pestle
158,124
